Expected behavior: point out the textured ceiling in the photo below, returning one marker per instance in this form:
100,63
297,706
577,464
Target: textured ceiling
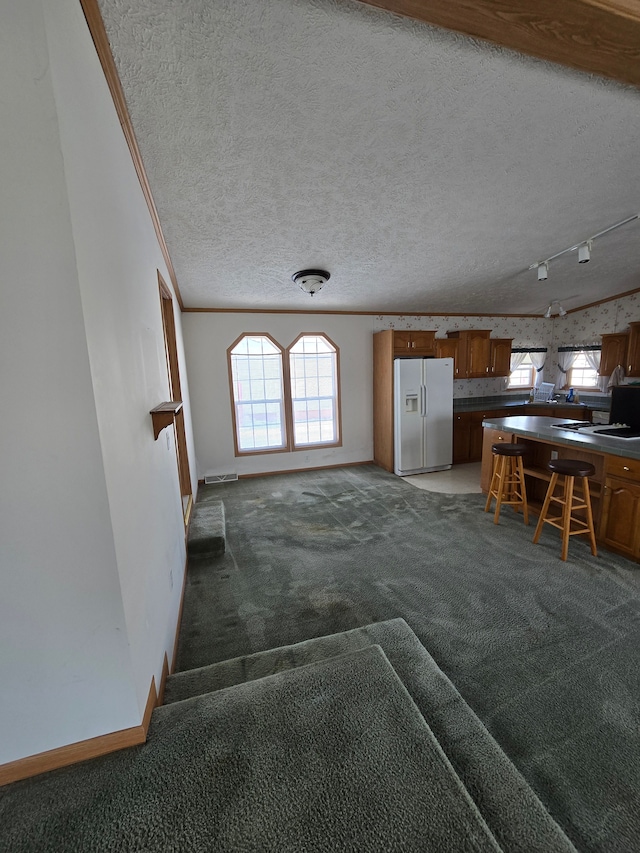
425,170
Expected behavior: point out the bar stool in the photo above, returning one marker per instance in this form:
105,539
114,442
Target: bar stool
507,481
569,502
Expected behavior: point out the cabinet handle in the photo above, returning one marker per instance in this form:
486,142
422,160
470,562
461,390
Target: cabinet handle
413,344
626,468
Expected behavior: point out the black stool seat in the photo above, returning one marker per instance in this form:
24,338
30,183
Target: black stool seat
571,467
508,449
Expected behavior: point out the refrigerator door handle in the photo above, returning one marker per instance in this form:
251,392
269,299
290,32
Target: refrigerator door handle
423,400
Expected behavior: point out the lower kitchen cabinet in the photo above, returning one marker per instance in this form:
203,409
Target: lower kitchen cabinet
620,522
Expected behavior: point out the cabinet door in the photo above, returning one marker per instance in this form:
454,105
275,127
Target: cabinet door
633,357
448,348
620,526
461,436
475,432
501,356
423,343
402,343
478,354
614,352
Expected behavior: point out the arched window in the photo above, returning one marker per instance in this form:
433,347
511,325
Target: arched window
284,404
313,370
257,382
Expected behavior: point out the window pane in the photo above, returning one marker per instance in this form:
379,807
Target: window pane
256,370
581,374
314,391
523,376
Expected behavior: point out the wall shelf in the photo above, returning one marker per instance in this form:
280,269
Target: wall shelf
164,415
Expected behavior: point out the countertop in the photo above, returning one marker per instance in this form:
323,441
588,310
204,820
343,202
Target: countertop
480,406
538,427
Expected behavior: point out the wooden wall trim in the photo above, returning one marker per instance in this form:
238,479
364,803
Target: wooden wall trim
355,313
303,470
72,753
597,36
99,35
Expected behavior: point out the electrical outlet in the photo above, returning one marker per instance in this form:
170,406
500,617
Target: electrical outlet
554,454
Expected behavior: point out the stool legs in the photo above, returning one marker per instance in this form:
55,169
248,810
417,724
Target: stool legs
587,500
507,486
569,502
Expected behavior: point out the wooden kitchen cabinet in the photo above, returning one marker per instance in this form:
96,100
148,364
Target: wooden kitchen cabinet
614,352
468,432
633,353
500,352
448,348
620,522
387,345
474,353
461,437
413,343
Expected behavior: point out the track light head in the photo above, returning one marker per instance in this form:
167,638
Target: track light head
547,313
584,252
543,271
561,312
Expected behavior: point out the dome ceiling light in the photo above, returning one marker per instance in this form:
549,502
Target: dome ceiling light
311,281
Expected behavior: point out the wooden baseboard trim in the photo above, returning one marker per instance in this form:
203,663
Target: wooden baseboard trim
304,470
74,753
300,470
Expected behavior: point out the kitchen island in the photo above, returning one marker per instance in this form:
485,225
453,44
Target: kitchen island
615,487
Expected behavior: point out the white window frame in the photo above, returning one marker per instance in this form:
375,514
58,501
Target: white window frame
523,386
572,383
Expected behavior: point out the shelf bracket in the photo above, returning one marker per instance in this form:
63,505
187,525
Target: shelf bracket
164,415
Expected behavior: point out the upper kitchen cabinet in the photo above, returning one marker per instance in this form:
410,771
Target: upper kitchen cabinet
500,356
412,343
633,353
448,348
614,352
474,353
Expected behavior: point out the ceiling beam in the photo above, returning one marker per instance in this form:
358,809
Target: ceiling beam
597,36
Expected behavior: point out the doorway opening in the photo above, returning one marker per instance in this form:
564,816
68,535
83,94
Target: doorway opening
175,394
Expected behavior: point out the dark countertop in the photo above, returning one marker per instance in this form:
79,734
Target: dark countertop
491,404
539,427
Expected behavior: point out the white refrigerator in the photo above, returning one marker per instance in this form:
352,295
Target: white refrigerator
423,415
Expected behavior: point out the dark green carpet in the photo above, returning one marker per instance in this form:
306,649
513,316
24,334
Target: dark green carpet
327,757
545,652
514,815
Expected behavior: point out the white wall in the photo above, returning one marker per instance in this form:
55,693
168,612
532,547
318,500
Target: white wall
91,533
207,337
117,257
65,667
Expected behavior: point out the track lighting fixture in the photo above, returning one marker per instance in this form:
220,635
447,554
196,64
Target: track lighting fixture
561,310
311,280
583,248
584,252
